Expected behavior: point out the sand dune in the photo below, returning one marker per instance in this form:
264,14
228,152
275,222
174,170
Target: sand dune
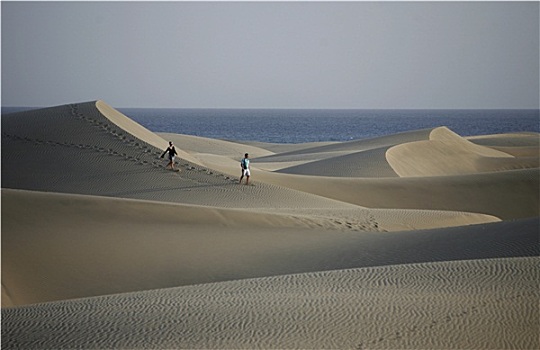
122,245
362,145
505,194
325,151
110,162
285,147
479,304
100,158
446,153
135,129
424,239
523,139
204,145
370,163
517,145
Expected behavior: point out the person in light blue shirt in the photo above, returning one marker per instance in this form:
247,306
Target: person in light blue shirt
244,164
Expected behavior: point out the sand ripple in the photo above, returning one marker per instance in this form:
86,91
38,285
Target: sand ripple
481,304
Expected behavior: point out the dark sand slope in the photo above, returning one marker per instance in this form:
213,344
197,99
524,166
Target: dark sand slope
76,149
70,246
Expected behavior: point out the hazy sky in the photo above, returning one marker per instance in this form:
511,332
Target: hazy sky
272,54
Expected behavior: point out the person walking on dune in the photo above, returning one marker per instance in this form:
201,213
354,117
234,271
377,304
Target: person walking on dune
244,164
172,153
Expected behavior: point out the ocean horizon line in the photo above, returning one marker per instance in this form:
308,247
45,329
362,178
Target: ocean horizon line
14,109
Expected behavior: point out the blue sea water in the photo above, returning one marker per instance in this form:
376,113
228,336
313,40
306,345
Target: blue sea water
304,125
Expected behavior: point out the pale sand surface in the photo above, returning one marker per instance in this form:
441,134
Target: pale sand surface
391,242
447,153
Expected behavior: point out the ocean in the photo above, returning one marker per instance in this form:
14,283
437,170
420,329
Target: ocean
304,125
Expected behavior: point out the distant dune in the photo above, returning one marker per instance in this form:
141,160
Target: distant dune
424,239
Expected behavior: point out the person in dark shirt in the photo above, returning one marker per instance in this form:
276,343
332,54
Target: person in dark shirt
172,154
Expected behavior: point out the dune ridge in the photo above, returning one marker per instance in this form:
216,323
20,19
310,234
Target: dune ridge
423,239
445,153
